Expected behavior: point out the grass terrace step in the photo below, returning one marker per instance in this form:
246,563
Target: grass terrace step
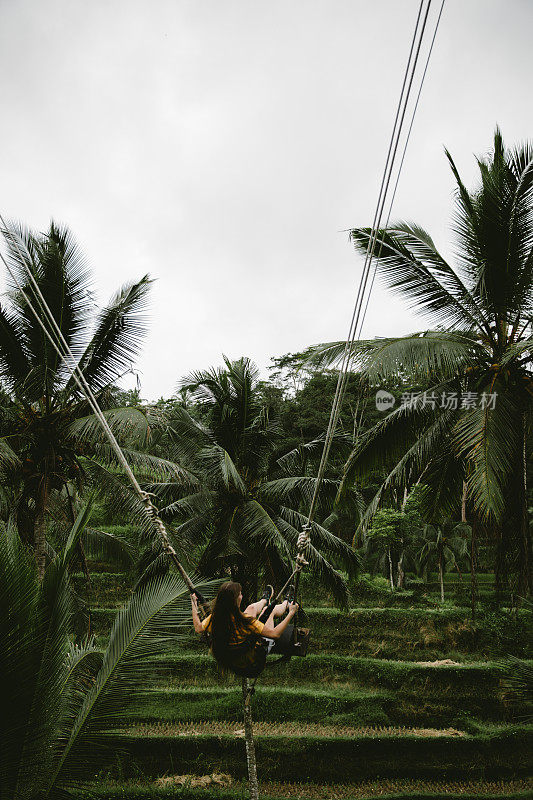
357,705
420,634
336,670
180,786
320,759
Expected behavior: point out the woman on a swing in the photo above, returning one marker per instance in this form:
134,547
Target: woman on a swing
239,640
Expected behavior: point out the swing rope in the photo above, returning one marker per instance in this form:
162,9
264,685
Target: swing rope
358,314
413,115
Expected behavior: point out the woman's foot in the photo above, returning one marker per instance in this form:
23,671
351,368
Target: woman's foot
289,594
268,594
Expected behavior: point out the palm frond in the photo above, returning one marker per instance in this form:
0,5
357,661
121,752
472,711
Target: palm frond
219,469
128,424
323,540
157,614
299,456
396,432
298,489
330,578
143,464
259,530
436,355
14,364
9,460
488,438
411,266
119,332
433,439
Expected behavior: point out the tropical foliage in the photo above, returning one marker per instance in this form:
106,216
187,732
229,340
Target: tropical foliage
249,506
58,699
472,427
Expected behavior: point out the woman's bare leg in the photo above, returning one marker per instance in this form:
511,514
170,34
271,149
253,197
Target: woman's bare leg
254,609
277,611
281,608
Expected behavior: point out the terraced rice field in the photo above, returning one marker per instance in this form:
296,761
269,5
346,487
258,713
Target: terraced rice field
397,702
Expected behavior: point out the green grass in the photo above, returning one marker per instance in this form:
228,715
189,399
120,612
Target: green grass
317,668
362,707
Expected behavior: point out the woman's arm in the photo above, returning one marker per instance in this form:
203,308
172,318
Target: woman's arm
274,632
195,617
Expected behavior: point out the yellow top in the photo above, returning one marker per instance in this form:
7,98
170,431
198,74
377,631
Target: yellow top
240,633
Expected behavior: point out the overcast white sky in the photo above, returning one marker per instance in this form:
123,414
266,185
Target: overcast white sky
223,145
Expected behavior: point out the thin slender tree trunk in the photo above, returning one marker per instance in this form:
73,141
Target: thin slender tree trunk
524,564
391,576
501,561
249,740
441,578
400,573
39,531
473,554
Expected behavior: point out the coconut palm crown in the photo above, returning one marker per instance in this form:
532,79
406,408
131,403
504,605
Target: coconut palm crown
50,442
250,507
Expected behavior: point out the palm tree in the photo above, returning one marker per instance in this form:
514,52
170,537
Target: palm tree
50,442
443,546
58,699
249,507
388,544
474,422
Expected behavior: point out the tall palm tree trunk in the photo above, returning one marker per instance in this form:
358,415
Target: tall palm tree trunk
249,740
391,575
400,577
473,569
501,561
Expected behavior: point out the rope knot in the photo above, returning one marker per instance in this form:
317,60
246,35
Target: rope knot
303,546
148,504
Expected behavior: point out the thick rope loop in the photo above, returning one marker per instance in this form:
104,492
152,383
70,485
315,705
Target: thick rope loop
302,548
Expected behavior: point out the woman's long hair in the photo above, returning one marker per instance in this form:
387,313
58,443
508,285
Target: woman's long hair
226,619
